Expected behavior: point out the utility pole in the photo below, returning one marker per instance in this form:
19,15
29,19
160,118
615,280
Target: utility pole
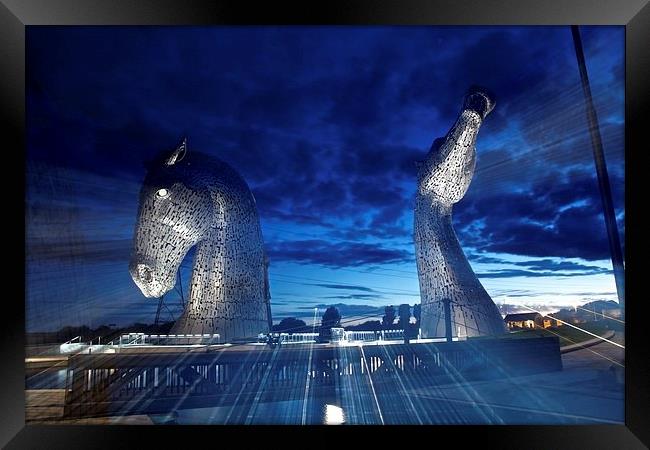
180,289
267,292
601,170
160,303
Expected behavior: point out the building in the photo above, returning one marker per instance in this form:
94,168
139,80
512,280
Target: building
529,320
522,320
548,322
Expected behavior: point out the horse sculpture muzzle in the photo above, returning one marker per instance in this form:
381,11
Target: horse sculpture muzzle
144,277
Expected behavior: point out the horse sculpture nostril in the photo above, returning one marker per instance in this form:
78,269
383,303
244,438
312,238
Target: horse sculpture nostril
144,273
480,100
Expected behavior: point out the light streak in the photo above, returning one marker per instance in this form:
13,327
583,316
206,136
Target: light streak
577,328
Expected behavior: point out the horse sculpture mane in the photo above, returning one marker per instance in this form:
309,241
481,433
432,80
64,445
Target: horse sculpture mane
190,199
444,273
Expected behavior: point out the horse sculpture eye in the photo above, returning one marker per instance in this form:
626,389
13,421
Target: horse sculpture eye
162,192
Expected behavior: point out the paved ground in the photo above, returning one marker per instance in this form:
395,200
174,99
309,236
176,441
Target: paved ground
45,406
599,357
589,389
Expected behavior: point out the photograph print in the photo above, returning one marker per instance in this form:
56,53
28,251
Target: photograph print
341,225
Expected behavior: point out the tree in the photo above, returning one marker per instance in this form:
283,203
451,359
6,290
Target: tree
290,325
331,319
389,316
417,313
404,315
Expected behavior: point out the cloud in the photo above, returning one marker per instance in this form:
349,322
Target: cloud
477,258
82,251
348,310
335,254
558,217
548,264
511,273
349,287
317,147
443,82
354,297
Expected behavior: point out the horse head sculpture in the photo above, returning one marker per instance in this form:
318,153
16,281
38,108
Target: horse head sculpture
445,276
190,199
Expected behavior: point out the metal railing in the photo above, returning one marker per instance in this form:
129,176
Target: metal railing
379,335
110,386
73,345
337,335
133,339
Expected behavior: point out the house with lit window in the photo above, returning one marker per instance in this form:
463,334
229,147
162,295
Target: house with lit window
548,321
522,320
529,320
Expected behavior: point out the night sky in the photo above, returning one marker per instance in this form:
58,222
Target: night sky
325,124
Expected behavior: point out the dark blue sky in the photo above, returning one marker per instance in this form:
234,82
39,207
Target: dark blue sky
325,124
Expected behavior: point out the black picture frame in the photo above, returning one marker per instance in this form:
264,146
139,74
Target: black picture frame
15,15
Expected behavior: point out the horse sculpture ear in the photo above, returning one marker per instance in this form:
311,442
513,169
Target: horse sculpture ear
177,154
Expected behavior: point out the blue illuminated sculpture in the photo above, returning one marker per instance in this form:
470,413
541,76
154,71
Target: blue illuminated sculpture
189,199
454,303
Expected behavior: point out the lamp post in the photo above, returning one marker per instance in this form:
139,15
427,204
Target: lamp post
448,331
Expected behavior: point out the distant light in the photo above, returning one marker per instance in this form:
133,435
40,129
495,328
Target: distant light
334,415
162,192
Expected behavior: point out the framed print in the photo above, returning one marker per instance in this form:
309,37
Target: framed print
368,217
